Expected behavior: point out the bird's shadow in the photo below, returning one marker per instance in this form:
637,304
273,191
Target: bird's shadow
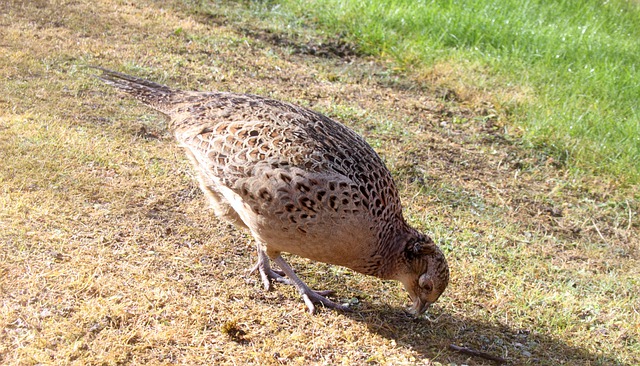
431,338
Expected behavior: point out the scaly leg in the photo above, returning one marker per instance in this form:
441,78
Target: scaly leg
308,295
266,273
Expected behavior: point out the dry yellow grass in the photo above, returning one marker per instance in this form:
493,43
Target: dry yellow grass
109,256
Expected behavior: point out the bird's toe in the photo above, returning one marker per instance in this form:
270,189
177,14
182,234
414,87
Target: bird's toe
318,297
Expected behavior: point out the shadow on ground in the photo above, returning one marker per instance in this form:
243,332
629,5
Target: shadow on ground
432,336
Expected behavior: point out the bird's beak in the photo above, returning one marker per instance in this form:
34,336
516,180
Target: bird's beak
419,306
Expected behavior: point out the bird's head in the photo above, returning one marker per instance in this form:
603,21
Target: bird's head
426,273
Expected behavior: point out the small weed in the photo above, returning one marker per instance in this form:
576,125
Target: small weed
234,333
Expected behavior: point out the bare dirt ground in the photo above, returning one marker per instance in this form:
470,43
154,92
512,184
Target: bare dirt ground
108,254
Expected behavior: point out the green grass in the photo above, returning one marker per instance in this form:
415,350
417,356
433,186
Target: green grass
579,59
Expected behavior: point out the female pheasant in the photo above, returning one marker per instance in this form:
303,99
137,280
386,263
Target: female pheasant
300,183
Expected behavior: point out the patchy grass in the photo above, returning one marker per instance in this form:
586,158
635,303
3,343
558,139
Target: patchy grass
567,71
109,255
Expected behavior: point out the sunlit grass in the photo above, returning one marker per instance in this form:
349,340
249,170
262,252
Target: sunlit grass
580,58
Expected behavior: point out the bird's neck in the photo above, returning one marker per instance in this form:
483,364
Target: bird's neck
388,255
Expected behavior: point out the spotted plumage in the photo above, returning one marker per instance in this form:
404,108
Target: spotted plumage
301,183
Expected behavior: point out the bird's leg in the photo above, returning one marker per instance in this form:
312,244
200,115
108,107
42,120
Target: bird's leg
308,295
266,273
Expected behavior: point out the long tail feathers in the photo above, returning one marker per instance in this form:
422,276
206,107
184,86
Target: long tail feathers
153,94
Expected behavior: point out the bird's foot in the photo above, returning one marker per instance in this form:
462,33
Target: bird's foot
309,296
267,274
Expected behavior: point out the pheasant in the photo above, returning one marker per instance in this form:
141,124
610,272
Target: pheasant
301,183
